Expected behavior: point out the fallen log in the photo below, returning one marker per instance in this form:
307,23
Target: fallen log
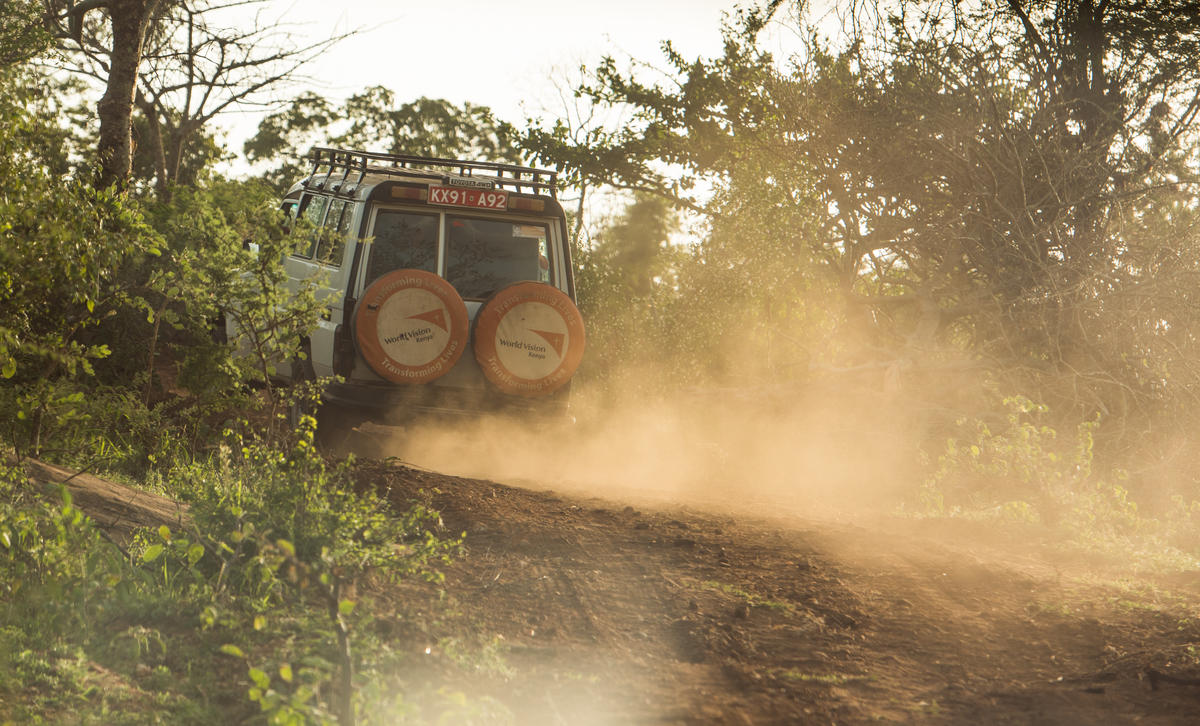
118,510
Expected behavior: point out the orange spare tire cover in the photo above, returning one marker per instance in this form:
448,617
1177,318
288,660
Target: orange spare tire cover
411,326
529,339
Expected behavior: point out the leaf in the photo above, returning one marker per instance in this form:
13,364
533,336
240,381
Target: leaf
10,368
6,538
345,607
286,546
230,649
152,553
285,672
165,532
262,680
194,553
260,622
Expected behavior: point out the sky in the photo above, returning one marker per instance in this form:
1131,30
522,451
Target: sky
505,55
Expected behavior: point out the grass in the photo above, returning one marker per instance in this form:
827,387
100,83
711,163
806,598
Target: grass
251,608
750,598
829,679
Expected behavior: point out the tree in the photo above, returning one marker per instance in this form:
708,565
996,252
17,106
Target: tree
94,284
194,69
636,246
955,174
374,120
128,23
985,194
62,244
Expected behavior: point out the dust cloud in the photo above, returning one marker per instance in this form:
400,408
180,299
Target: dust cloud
782,450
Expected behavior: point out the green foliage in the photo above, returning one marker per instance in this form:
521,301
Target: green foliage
23,35
60,244
662,315
635,248
198,150
138,305
1020,471
108,360
94,287
52,559
293,497
941,188
97,427
373,120
1023,471
225,244
285,135
270,317
300,531
628,291
266,572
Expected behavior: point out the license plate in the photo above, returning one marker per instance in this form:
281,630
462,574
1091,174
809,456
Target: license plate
477,198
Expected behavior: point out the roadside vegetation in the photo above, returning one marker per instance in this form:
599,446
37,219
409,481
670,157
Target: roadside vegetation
984,214
256,606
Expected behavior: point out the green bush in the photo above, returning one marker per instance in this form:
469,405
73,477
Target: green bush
1021,471
267,572
108,303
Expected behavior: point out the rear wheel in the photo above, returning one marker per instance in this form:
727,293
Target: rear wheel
336,423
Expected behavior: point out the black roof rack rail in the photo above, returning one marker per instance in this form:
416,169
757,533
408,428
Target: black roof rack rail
338,164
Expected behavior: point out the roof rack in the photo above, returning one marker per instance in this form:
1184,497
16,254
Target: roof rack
338,165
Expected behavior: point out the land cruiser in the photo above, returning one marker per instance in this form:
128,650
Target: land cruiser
448,285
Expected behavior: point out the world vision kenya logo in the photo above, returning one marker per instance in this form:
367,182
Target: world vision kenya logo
555,340
437,317
421,335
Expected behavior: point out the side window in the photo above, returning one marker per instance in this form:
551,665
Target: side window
288,208
402,240
312,211
331,244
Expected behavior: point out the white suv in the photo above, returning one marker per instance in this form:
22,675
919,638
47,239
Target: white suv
448,284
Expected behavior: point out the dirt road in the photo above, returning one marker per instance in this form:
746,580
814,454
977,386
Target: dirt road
602,613
570,610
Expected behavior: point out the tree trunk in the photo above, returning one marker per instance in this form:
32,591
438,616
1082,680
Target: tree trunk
158,150
179,136
129,19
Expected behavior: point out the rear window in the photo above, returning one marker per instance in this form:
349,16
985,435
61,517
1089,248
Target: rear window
402,240
484,255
